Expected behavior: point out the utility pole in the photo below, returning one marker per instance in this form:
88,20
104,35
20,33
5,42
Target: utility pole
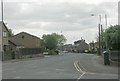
99,34
2,29
102,38
106,28
2,9
99,28
99,49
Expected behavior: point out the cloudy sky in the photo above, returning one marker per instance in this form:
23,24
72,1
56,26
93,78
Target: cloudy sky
71,18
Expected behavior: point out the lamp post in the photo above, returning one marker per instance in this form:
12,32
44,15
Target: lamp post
99,33
106,28
100,28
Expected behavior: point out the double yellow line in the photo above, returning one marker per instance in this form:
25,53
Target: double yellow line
77,67
76,64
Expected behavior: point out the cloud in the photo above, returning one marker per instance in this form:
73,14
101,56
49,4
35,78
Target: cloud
48,16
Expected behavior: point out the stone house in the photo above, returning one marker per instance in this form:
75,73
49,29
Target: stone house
80,46
4,37
26,40
67,47
92,47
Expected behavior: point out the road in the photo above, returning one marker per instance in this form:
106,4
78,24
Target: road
63,66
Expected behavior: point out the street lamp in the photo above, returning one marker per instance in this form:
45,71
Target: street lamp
100,31
106,28
99,28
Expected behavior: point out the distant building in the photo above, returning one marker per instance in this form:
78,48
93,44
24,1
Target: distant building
92,47
67,47
80,46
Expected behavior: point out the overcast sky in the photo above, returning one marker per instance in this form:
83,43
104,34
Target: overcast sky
71,18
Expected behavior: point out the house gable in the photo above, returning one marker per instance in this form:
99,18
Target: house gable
27,40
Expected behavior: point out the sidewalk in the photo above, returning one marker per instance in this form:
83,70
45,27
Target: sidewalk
18,60
96,65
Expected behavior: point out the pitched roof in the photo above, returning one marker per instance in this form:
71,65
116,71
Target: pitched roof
80,41
15,42
4,25
27,34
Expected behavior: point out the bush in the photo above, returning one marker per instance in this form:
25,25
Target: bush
57,51
53,52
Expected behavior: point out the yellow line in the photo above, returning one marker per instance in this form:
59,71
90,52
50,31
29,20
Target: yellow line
80,68
84,70
76,67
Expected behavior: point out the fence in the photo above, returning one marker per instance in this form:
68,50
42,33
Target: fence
7,55
115,55
30,51
23,53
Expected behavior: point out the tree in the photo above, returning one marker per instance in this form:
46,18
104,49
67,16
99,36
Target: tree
111,36
60,39
10,33
51,41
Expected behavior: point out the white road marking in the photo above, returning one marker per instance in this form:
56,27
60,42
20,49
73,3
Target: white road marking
102,74
85,72
81,76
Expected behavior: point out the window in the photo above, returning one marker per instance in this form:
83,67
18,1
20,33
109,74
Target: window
4,34
23,37
6,48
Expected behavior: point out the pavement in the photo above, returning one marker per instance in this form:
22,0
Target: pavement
64,66
94,68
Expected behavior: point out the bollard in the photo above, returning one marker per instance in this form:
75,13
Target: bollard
106,58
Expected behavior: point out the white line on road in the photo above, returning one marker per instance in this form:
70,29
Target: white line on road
102,74
84,71
81,76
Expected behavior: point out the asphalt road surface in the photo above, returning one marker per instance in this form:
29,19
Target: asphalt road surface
63,66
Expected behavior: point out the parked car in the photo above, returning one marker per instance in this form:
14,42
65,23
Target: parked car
45,53
65,51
